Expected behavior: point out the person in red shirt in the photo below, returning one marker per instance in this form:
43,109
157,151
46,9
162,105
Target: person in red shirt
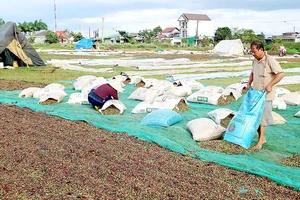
97,97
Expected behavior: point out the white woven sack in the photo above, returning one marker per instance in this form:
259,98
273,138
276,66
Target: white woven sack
193,84
37,93
237,86
55,86
292,98
135,79
235,93
219,114
28,92
204,96
212,88
278,119
78,98
81,81
144,94
170,99
149,106
57,95
180,91
297,114
118,104
149,82
121,78
92,84
204,129
162,86
279,103
281,91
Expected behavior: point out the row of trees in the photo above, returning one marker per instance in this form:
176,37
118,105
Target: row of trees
246,35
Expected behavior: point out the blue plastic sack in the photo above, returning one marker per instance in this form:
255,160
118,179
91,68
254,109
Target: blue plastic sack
245,123
161,117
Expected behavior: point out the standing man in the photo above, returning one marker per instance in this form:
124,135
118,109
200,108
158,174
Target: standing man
266,72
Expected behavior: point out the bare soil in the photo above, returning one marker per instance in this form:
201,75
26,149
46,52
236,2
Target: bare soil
47,157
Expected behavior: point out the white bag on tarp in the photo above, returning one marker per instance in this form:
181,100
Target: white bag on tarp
206,96
281,91
149,106
179,91
135,79
114,103
28,92
297,114
171,100
54,86
92,84
237,86
121,78
143,94
149,82
204,129
278,119
193,84
236,94
292,98
78,98
278,103
81,81
246,121
220,114
56,95
162,86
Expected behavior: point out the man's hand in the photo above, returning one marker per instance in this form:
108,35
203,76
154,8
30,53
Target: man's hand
268,89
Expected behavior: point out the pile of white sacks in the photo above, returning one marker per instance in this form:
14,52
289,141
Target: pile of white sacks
161,94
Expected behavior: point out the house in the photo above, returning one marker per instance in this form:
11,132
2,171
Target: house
290,36
108,36
195,25
40,36
62,35
171,32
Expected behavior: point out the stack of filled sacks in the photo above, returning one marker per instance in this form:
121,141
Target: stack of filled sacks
159,94
84,84
278,102
234,91
208,95
50,94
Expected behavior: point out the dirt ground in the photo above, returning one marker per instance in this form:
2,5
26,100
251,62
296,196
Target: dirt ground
47,157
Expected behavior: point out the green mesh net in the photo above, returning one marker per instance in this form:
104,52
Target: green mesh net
283,139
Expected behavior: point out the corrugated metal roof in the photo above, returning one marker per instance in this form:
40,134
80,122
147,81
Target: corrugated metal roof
200,17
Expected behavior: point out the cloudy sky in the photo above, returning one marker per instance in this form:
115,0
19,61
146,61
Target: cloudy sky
268,16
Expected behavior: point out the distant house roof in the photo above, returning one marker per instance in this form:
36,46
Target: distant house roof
41,33
200,17
61,34
161,36
169,29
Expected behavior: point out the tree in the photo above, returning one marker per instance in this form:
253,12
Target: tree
126,37
2,21
51,37
157,30
76,36
223,33
261,37
32,27
149,34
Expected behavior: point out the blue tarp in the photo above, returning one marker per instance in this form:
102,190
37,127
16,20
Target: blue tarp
85,43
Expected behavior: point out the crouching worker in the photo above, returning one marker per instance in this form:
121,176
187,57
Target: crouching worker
97,97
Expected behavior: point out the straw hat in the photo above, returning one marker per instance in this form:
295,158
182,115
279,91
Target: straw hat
116,84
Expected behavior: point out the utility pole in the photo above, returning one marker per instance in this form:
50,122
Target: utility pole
55,26
102,30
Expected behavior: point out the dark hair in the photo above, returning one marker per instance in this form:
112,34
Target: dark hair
258,44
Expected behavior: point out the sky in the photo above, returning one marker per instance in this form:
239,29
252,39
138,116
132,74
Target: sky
271,17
